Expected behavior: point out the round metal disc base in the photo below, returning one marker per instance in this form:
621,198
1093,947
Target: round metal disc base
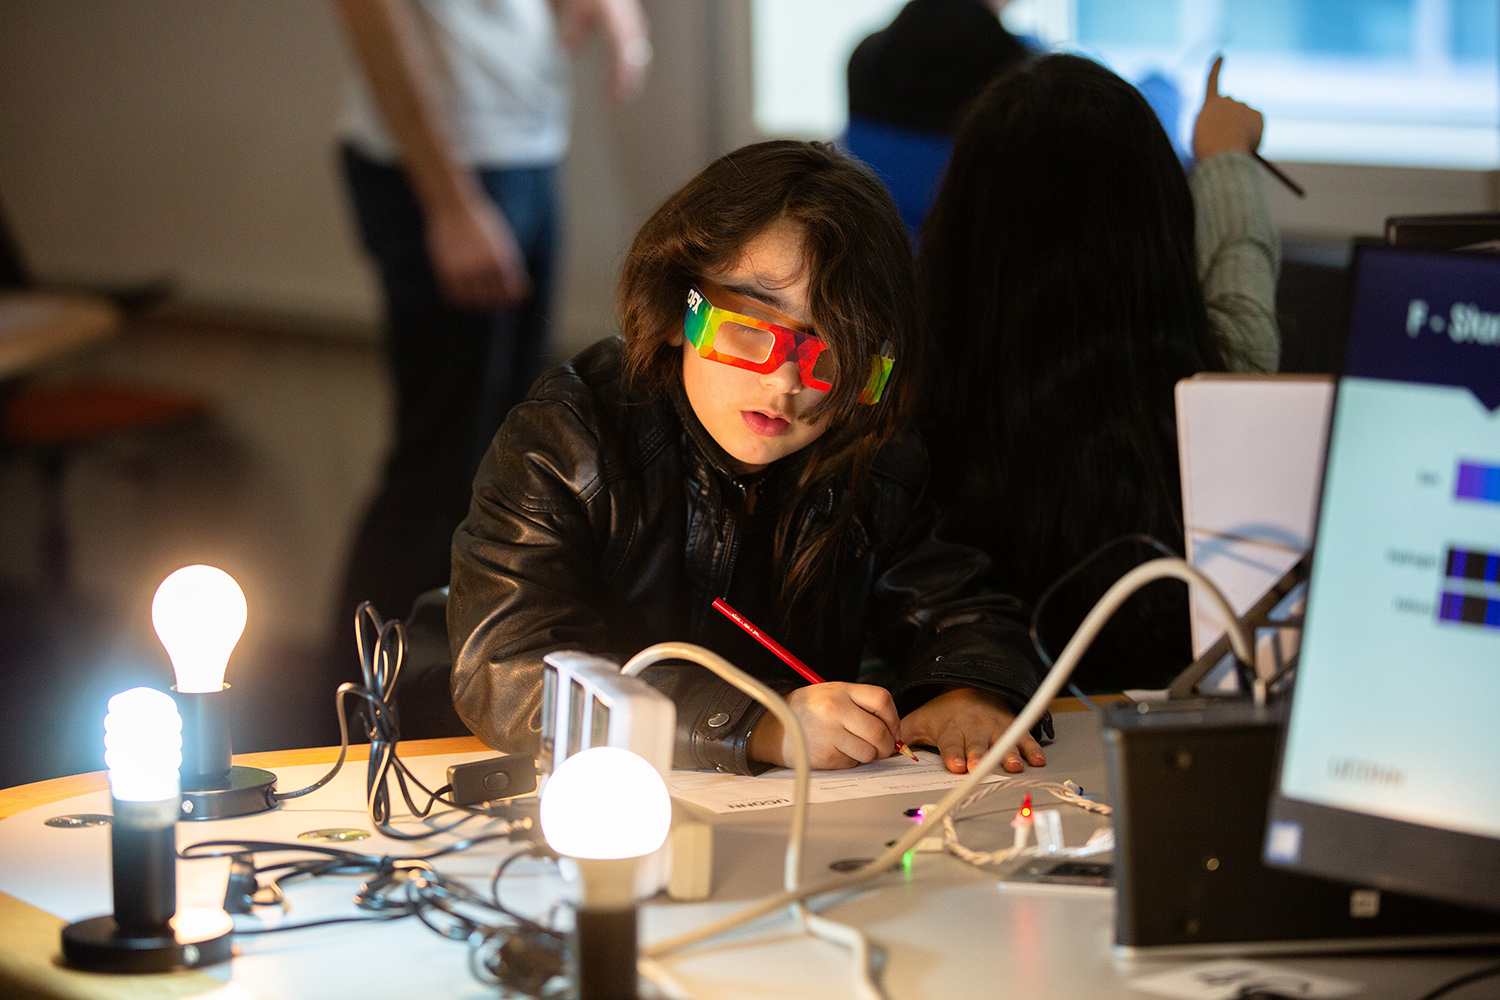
247,790
195,938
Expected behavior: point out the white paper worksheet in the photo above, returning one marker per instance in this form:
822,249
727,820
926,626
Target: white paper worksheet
732,793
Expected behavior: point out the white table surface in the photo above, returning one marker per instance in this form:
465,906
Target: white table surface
948,929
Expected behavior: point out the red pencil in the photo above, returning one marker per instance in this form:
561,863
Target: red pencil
782,652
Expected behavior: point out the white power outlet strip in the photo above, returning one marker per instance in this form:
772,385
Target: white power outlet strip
587,702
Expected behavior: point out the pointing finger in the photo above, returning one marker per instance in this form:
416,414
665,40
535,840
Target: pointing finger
1212,89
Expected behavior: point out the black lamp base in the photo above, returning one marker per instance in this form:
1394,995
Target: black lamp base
195,938
606,956
245,791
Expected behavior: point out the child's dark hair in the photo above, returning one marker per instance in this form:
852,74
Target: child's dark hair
861,296
1058,275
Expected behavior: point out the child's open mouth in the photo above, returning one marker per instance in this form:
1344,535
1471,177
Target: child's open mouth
764,424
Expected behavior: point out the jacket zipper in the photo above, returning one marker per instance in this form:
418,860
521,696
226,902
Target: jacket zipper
730,548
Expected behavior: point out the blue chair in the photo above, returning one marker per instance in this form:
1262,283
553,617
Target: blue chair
909,163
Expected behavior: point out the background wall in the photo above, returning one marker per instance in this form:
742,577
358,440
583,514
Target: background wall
183,138
195,139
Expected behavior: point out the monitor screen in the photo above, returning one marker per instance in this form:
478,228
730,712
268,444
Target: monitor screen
1390,770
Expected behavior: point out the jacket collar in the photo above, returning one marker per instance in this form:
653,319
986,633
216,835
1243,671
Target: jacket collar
703,442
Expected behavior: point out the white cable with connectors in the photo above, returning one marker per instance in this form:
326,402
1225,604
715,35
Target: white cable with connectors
1065,791
1029,716
821,927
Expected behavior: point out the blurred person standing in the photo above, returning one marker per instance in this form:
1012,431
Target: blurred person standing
909,85
922,71
453,134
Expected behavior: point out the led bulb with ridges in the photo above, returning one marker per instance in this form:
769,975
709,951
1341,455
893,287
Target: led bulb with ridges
143,746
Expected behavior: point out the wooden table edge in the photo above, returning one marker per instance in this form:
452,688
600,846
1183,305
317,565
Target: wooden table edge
77,320
40,793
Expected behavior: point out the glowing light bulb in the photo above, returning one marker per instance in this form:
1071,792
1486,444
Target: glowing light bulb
605,803
199,613
143,746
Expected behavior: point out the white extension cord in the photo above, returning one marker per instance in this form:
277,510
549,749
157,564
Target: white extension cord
865,984
933,818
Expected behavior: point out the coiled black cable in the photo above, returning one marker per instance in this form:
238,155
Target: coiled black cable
382,647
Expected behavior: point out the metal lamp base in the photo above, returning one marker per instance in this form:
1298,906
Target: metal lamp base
194,938
245,791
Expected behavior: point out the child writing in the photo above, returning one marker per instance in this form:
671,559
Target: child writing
745,439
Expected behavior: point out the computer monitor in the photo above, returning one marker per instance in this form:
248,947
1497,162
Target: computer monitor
1467,231
1390,765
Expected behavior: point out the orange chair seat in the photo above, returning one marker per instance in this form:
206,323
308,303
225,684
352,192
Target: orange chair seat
76,413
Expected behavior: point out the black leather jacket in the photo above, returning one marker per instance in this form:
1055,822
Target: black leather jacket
606,522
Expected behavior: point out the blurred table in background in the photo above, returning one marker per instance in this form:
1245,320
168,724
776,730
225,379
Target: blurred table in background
37,327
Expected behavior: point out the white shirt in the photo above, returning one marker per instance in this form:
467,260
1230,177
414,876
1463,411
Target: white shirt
502,81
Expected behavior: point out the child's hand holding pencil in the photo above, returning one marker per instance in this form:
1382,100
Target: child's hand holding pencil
845,724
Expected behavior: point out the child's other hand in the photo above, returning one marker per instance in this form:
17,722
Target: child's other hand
845,725
963,723
1225,125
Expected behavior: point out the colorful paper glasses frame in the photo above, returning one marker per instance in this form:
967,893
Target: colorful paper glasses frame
732,338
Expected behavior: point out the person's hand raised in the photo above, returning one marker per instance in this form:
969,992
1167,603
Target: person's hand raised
1224,124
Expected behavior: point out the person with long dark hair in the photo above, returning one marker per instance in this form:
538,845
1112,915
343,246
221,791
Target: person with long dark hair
1068,284
746,439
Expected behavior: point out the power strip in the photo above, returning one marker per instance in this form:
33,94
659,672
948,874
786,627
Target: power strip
587,702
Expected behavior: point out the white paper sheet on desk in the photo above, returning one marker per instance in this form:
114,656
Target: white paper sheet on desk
732,793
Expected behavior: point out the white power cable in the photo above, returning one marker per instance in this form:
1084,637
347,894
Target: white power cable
1117,594
821,927
774,703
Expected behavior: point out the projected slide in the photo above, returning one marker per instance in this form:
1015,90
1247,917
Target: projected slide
1399,683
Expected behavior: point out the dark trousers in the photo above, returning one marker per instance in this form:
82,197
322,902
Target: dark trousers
456,371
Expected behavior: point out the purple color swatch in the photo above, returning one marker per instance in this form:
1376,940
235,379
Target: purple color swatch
1478,482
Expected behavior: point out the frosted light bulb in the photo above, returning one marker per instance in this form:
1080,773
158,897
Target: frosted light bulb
143,746
199,613
605,803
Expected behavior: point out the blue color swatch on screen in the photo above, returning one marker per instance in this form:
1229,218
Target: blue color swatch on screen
1477,568
1477,482
1470,609
1467,564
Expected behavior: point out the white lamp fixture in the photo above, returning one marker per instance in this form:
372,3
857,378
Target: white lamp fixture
146,933
199,613
606,808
